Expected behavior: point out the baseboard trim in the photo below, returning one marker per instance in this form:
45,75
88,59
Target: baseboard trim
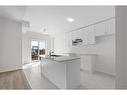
10,70
105,73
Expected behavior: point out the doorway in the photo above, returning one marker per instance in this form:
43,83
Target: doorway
38,48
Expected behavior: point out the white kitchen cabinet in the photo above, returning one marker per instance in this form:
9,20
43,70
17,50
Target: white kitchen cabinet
79,34
88,63
91,35
100,29
105,28
70,39
110,26
74,35
88,35
85,35
113,26
67,39
64,74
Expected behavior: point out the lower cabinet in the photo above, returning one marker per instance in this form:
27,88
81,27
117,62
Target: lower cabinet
88,63
64,74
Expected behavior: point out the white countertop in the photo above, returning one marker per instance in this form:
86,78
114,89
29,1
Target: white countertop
61,59
89,54
79,54
65,58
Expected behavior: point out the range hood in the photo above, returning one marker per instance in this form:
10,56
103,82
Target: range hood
76,41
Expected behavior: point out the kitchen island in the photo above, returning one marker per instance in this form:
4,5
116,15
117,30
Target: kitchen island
62,71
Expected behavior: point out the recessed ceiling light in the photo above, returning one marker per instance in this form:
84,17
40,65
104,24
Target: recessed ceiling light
69,19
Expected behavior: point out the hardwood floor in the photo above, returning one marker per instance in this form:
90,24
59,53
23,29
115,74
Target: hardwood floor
13,80
17,80
88,81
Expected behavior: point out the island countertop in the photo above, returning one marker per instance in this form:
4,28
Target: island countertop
61,58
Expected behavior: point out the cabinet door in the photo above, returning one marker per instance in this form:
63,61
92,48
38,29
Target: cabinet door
88,63
91,35
74,35
110,26
84,64
99,29
68,39
84,34
79,34
113,26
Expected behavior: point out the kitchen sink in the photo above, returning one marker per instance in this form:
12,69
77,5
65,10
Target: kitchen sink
56,55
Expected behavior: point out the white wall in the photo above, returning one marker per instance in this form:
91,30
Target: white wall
27,37
121,47
10,45
104,48
59,44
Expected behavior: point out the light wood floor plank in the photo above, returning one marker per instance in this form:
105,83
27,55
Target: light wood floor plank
13,80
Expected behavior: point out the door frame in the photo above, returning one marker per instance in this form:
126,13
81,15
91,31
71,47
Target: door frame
39,40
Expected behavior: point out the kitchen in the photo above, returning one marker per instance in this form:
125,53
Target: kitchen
96,46
79,46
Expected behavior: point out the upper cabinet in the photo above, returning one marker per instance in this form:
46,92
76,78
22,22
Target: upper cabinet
73,35
87,35
68,39
105,28
99,29
91,35
110,26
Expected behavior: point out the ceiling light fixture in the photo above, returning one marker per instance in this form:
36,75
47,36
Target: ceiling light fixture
69,19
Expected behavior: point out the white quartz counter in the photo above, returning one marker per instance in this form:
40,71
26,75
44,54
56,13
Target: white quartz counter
89,54
61,59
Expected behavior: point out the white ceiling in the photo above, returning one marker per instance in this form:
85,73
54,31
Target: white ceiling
53,18
12,12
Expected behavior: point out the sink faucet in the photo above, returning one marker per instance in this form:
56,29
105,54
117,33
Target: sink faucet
50,52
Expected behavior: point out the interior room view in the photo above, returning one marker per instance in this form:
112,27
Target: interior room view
63,47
